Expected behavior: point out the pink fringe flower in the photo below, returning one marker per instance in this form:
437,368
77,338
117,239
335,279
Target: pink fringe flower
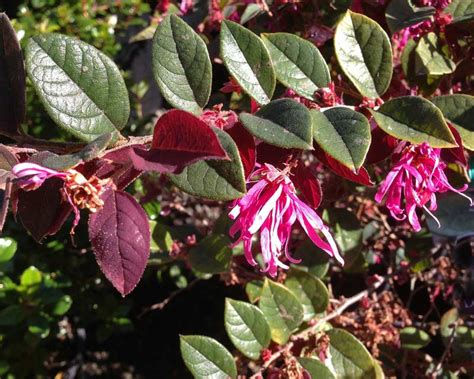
30,176
271,207
418,176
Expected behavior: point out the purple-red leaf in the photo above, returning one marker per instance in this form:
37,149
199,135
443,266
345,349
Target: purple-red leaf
12,78
455,154
120,237
43,211
181,139
361,177
305,181
246,144
381,147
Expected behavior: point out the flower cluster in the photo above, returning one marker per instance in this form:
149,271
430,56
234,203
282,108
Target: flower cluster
270,208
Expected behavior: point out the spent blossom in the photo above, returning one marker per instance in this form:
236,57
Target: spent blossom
418,176
270,208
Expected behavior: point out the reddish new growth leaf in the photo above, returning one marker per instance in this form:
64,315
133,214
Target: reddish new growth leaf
361,177
456,154
246,145
120,237
181,139
381,147
305,181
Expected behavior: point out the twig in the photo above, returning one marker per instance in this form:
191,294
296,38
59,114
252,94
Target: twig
445,353
164,303
312,329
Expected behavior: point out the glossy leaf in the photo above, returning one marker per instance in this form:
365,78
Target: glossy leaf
349,357
248,61
62,306
12,78
364,53
120,237
430,57
298,63
212,255
8,248
413,338
206,358
31,277
315,368
247,328
310,291
215,179
283,123
461,10
342,133
458,109
414,119
282,309
401,14
81,88
181,65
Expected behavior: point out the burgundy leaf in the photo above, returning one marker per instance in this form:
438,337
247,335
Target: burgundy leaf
361,177
180,139
12,78
5,202
120,237
308,184
43,211
274,155
7,158
455,154
381,147
246,145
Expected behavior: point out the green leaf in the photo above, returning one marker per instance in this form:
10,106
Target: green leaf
31,277
309,290
161,238
212,255
247,328
342,133
313,259
253,289
413,338
215,179
282,309
458,109
4,367
248,61
350,359
401,14
12,315
414,119
298,63
39,326
207,358
461,10
347,229
430,57
62,305
284,123
250,12
81,88
181,65
316,368
364,53
8,248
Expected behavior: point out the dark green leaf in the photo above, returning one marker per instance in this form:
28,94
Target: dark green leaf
161,239
12,78
430,57
414,119
458,109
12,315
342,133
309,290
81,88
247,328
284,123
181,65
248,61
253,289
401,14
314,259
39,326
206,358
212,255
8,248
215,179
364,53
282,309
413,338
298,63
349,357
461,10
346,227
316,368
250,12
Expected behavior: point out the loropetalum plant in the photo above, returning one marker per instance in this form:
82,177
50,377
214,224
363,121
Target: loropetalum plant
387,109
